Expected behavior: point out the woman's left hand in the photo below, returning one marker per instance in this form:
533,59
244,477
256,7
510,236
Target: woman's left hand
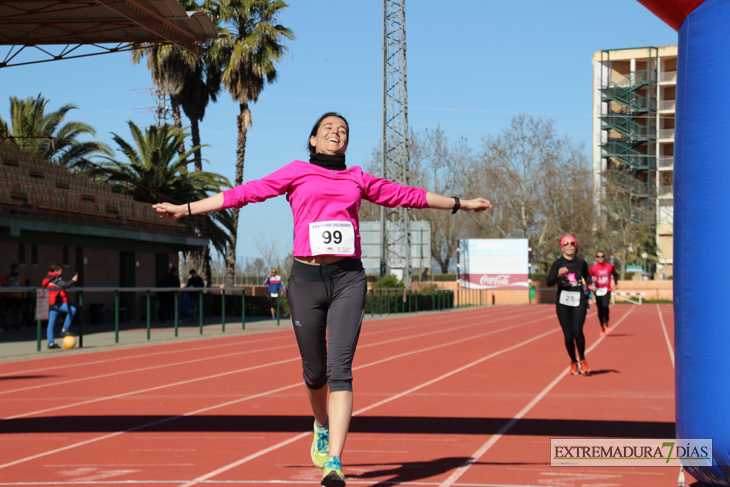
477,205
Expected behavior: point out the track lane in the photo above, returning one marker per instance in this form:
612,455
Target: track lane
630,395
297,384
364,461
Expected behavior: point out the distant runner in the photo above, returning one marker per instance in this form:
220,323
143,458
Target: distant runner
601,271
568,272
275,286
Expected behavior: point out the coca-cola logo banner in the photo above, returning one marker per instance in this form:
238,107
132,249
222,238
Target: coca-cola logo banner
494,281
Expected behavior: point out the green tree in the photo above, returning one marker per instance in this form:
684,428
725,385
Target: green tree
248,54
191,83
47,134
152,170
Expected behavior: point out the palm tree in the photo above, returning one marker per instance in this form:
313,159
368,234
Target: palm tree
152,170
47,135
249,53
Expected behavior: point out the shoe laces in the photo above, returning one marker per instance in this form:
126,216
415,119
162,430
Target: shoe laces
323,441
334,463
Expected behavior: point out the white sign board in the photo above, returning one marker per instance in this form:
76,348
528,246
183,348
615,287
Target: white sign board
370,243
493,263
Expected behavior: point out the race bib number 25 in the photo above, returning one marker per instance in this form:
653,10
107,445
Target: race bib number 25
334,238
570,298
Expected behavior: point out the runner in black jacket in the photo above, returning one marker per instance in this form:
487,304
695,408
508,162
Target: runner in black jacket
570,272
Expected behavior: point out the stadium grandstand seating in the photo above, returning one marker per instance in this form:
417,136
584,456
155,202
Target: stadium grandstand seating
35,188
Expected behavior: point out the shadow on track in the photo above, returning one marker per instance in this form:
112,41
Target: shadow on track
360,424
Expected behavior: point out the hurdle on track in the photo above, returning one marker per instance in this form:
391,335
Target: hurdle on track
628,297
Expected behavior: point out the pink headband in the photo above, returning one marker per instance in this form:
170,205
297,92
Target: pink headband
562,240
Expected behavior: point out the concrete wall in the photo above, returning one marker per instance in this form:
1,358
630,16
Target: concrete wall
651,289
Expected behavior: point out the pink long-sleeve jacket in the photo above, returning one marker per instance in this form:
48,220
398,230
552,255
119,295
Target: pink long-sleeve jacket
325,198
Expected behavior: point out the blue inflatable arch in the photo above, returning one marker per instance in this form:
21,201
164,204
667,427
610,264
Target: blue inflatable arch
702,226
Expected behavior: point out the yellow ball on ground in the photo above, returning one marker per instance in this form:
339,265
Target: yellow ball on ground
69,342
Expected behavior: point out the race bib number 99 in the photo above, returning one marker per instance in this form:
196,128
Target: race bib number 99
570,298
601,291
333,238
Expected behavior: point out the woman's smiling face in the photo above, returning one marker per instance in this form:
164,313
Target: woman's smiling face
331,137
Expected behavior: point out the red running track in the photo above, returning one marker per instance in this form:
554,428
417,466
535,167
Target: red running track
469,397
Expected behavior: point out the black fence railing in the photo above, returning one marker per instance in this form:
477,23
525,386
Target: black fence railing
220,302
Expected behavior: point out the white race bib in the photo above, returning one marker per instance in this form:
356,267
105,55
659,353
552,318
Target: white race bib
274,295
333,238
601,291
570,298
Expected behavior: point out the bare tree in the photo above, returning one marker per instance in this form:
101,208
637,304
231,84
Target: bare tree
626,224
539,183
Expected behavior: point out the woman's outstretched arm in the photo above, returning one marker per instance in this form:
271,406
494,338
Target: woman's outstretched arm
438,202
169,211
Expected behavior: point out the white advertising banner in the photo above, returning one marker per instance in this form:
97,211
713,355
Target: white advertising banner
493,263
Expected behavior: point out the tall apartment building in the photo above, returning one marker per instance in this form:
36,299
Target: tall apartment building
634,92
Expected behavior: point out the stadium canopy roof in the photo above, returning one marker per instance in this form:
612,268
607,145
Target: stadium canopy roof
77,23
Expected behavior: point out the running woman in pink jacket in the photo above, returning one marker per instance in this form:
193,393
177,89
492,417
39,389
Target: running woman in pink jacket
327,288
601,273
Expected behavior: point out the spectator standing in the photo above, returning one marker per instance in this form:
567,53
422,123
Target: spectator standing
166,308
275,285
194,281
15,300
58,301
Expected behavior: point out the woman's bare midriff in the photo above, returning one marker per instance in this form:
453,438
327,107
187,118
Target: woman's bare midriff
320,259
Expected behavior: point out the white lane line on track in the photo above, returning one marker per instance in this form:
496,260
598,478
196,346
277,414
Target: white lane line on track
451,480
144,369
150,389
274,391
218,346
246,352
666,335
362,410
117,396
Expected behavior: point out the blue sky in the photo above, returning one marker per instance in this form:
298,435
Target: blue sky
472,66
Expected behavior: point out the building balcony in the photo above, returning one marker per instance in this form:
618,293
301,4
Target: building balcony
666,134
668,77
667,105
666,163
666,191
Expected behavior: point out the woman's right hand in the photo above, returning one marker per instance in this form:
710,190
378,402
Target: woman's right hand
169,211
562,271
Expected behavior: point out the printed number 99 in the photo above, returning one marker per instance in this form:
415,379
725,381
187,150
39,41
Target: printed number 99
327,236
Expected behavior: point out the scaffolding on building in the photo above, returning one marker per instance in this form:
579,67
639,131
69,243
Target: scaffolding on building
628,117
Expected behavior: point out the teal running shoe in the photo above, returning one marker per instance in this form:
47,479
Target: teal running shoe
332,475
320,446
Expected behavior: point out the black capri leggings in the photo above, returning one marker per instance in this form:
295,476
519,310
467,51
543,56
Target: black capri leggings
571,321
327,303
602,304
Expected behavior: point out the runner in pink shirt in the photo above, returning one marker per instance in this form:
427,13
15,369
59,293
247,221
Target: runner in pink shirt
601,272
327,286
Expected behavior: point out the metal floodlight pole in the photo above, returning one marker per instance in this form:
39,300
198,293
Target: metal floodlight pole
396,250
